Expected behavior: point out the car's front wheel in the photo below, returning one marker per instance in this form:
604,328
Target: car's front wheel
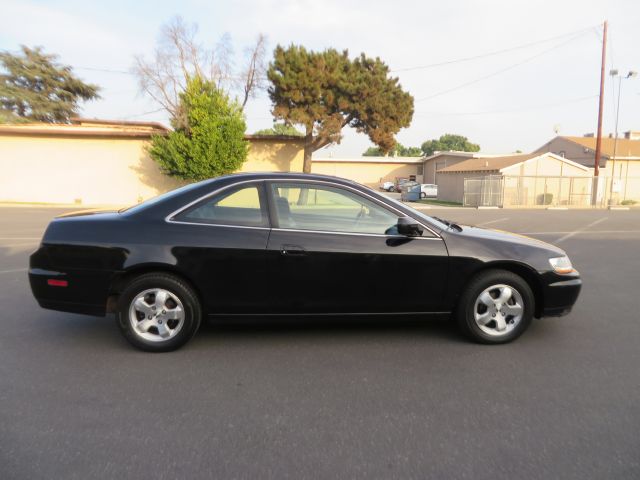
158,312
496,307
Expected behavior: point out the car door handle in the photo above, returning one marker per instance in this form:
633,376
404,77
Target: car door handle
292,250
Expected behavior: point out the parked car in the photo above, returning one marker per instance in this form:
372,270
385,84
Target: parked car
292,244
387,186
429,190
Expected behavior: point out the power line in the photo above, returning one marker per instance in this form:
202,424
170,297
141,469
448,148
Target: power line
495,52
502,70
512,110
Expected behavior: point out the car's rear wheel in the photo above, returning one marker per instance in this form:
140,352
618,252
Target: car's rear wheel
158,312
496,307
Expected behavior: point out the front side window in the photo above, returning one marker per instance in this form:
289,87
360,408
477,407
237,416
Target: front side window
241,206
323,208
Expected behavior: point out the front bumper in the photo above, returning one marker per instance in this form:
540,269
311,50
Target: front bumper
560,294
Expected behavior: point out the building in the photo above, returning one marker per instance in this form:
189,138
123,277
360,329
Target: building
98,162
507,178
619,158
371,171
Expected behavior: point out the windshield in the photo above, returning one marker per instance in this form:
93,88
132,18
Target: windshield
154,200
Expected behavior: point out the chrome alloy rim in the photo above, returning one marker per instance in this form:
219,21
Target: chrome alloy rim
156,315
498,310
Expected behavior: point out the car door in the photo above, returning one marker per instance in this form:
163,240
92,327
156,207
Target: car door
221,244
334,249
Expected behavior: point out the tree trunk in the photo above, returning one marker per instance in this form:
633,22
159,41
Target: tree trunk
308,151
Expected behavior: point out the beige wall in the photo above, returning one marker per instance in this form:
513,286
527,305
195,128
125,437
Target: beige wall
105,170
451,185
371,174
441,161
274,156
568,149
89,171
547,166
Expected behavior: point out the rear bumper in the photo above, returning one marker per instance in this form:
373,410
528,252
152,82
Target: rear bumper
86,291
560,296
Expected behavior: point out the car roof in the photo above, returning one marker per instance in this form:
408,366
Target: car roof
287,175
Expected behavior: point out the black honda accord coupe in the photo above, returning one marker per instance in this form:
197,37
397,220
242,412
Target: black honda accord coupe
292,244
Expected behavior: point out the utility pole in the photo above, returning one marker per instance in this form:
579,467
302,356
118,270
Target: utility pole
596,166
596,170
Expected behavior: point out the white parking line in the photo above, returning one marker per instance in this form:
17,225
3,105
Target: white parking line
492,221
580,230
15,270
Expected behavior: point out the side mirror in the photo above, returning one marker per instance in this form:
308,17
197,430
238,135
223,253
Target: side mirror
409,227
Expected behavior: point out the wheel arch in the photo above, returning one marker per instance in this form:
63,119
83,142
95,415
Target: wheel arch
123,278
524,271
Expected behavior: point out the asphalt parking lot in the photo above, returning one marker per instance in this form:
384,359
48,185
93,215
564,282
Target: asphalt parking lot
343,399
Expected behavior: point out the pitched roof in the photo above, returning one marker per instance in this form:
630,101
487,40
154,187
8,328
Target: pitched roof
624,148
488,164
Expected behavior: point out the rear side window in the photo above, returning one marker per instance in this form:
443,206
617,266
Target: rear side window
243,206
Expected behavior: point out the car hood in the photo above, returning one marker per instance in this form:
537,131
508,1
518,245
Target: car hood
488,234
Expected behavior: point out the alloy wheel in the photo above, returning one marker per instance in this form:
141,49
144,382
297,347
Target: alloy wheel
498,310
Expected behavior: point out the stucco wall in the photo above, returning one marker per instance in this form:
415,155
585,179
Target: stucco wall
274,156
370,174
105,171
441,161
547,166
570,150
451,185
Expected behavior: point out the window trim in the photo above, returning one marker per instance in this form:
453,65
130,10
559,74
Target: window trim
169,218
271,185
264,207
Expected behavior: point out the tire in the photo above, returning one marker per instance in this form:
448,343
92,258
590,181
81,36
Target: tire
488,308
158,312
423,195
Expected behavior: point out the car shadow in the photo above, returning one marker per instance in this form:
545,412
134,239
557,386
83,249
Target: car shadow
327,327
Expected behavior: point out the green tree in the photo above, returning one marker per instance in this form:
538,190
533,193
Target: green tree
280,129
35,87
398,150
449,142
208,140
327,91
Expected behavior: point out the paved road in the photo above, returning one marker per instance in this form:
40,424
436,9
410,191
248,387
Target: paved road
340,400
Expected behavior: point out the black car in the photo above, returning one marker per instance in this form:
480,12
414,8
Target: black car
292,244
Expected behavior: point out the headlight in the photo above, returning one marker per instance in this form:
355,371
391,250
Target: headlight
561,264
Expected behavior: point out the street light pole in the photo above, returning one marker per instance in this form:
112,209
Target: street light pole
615,73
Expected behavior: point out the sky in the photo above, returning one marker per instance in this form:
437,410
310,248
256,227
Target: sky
514,100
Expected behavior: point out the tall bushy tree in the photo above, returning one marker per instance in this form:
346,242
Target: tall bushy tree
280,129
398,150
449,142
35,87
327,91
208,140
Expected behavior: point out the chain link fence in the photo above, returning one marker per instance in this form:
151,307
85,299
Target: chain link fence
533,191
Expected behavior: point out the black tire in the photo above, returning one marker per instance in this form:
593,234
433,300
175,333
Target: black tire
465,314
190,306
423,195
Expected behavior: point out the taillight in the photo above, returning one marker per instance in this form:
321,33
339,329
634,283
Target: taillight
52,282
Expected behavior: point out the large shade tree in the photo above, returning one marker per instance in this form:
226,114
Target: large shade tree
324,92
449,142
398,150
34,87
